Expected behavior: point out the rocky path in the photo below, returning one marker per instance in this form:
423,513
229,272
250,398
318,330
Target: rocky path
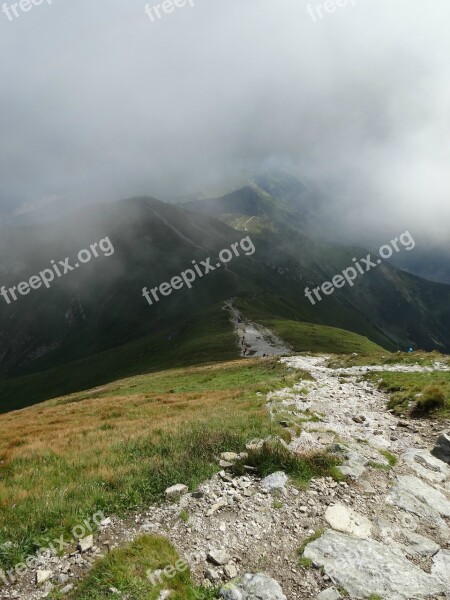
381,533
255,340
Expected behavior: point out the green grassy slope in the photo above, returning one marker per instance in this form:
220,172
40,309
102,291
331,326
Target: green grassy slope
119,448
96,318
206,339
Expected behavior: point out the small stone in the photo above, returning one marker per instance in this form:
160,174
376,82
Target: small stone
218,557
85,544
114,590
229,456
43,576
68,588
176,491
216,507
212,575
275,481
359,419
254,445
230,571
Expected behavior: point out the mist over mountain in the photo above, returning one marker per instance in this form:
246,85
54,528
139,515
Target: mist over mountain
368,128
322,139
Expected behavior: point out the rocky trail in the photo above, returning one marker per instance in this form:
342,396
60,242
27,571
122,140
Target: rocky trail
381,533
253,339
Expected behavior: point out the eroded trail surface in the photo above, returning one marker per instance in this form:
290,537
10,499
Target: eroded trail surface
254,339
381,533
390,537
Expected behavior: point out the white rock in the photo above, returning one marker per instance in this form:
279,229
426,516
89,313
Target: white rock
425,493
252,587
365,567
275,481
216,507
218,557
418,545
230,571
43,576
176,491
329,594
441,567
68,588
230,456
86,543
426,465
345,519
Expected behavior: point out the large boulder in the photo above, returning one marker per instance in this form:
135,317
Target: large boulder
441,567
252,587
430,500
426,465
365,567
442,448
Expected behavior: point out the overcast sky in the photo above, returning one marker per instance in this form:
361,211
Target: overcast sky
98,102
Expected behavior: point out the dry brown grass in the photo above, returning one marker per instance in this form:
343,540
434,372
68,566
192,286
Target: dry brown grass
63,429
120,446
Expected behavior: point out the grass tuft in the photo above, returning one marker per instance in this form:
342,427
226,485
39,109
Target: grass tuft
126,570
274,456
306,562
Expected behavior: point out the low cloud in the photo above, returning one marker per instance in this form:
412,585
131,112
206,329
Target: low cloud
100,103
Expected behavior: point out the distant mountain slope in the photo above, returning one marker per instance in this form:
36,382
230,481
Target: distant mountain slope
429,260
416,309
100,306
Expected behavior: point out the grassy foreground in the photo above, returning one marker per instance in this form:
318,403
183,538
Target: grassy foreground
126,570
118,447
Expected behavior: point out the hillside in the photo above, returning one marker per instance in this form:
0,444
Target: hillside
95,321
355,494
